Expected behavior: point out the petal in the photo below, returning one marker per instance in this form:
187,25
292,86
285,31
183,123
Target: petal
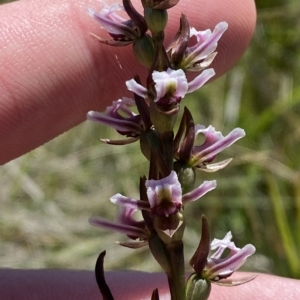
211,136
216,243
137,88
121,105
109,12
201,36
207,42
200,80
210,152
129,202
125,217
210,168
171,82
126,229
119,124
234,281
197,193
112,22
227,266
221,245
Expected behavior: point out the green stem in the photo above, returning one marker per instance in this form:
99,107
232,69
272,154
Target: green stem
176,276
167,147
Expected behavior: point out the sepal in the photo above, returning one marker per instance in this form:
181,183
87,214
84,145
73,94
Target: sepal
199,259
100,278
184,150
235,281
177,49
155,295
137,19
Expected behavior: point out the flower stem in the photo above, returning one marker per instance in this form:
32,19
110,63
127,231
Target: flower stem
176,276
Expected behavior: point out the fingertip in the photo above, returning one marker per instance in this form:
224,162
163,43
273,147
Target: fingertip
241,17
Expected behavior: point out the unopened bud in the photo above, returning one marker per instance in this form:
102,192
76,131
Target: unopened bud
186,176
156,19
143,50
197,288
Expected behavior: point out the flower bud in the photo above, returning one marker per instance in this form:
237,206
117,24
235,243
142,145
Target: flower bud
197,288
156,19
143,50
186,176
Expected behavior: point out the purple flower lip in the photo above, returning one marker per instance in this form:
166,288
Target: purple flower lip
164,195
172,84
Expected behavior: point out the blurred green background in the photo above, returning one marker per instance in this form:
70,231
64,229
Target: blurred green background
48,195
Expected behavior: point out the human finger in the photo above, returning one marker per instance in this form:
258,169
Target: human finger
73,285
52,71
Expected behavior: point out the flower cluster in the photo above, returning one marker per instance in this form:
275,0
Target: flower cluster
173,157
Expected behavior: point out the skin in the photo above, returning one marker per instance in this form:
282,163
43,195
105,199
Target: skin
51,73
